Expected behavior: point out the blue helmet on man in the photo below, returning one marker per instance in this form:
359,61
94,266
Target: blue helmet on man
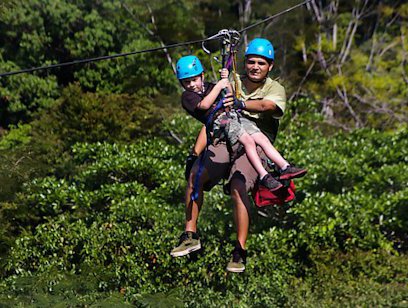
188,66
260,47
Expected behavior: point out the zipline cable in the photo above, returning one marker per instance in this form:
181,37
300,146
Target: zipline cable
88,60
274,16
29,70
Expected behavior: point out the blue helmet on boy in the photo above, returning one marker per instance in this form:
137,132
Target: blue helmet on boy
260,47
188,66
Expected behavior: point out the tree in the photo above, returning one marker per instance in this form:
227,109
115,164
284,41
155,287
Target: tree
356,60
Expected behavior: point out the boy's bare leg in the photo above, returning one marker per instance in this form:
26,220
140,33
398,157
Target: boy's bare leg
270,151
250,149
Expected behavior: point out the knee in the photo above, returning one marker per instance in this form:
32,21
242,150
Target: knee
263,139
248,141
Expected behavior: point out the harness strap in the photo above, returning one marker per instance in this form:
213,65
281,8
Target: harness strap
208,124
227,64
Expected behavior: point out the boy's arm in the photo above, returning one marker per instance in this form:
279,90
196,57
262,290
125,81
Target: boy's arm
208,100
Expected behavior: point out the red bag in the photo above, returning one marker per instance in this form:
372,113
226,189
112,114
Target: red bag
263,196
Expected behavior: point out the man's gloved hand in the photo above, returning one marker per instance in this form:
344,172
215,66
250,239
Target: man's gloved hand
190,160
239,104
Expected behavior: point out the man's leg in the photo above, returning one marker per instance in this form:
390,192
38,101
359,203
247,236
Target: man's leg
241,214
241,201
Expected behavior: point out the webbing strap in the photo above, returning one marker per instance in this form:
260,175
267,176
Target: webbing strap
194,194
220,104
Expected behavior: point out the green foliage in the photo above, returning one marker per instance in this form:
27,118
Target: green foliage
355,279
17,136
23,96
39,33
89,117
121,211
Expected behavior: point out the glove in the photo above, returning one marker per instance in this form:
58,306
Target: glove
239,104
190,160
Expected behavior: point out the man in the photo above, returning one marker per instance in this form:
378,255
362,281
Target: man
262,101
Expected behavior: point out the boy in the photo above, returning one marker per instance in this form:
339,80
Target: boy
199,100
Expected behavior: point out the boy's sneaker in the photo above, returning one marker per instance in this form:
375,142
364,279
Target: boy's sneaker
238,260
292,172
189,242
270,182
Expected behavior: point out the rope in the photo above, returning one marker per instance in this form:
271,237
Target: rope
234,74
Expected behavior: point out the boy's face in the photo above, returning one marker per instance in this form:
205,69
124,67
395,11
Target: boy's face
194,84
257,68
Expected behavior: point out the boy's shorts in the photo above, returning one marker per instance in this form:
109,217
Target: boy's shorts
234,125
217,164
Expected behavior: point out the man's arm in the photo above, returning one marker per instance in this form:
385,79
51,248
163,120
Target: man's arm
262,105
207,101
256,105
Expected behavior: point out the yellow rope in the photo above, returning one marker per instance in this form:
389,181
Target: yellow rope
234,74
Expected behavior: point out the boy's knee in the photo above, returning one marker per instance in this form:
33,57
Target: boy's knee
247,140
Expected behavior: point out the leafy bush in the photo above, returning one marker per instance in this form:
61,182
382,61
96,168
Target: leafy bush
121,211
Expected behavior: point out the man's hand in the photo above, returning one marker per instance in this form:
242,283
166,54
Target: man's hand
239,104
231,101
228,100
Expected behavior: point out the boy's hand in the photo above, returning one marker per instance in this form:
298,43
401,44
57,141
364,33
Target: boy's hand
224,73
223,83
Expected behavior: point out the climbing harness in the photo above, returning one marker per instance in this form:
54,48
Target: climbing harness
230,39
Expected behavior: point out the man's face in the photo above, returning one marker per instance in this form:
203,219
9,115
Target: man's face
257,68
194,84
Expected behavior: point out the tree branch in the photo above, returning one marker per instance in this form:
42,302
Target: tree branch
169,59
150,32
373,45
295,94
343,94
